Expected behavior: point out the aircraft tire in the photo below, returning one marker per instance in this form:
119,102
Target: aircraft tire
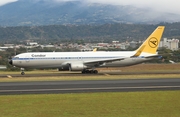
95,72
89,72
83,71
22,73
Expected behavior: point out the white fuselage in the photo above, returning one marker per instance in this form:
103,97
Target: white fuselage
61,59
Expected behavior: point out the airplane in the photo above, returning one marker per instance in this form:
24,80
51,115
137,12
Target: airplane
87,62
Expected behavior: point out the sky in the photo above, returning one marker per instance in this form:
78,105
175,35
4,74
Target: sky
171,6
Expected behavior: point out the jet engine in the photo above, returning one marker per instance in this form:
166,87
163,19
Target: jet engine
77,67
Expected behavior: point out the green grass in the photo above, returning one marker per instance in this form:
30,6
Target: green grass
125,104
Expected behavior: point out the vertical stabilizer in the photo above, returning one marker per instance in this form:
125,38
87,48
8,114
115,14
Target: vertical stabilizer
152,42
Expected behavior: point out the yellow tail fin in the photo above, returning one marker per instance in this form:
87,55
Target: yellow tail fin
152,42
139,51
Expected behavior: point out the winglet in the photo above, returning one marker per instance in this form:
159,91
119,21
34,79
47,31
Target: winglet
152,42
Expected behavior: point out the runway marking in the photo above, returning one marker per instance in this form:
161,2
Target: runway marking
107,74
9,76
80,89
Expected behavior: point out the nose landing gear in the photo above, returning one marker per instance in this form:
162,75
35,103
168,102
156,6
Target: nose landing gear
22,71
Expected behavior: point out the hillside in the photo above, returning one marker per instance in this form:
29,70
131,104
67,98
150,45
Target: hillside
93,33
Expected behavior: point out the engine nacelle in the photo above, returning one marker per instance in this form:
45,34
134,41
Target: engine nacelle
77,67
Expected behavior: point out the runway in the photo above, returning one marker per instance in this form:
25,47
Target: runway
53,87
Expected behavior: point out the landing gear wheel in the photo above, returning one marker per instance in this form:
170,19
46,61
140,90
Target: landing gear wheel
89,71
83,72
22,73
95,71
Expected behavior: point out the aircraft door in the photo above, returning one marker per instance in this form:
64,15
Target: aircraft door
79,58
27,59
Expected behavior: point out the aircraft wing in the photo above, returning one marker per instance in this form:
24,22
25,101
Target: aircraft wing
102,61
157,56
154,56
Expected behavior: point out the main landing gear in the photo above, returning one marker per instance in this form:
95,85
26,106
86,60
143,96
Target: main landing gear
89,71
22,71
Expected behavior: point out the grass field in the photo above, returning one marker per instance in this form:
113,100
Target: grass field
164,68
149,67
119,104
125,104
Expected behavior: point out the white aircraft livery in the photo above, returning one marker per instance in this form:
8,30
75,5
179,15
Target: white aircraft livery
86,62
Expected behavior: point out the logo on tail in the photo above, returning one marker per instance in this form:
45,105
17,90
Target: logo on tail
153,42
